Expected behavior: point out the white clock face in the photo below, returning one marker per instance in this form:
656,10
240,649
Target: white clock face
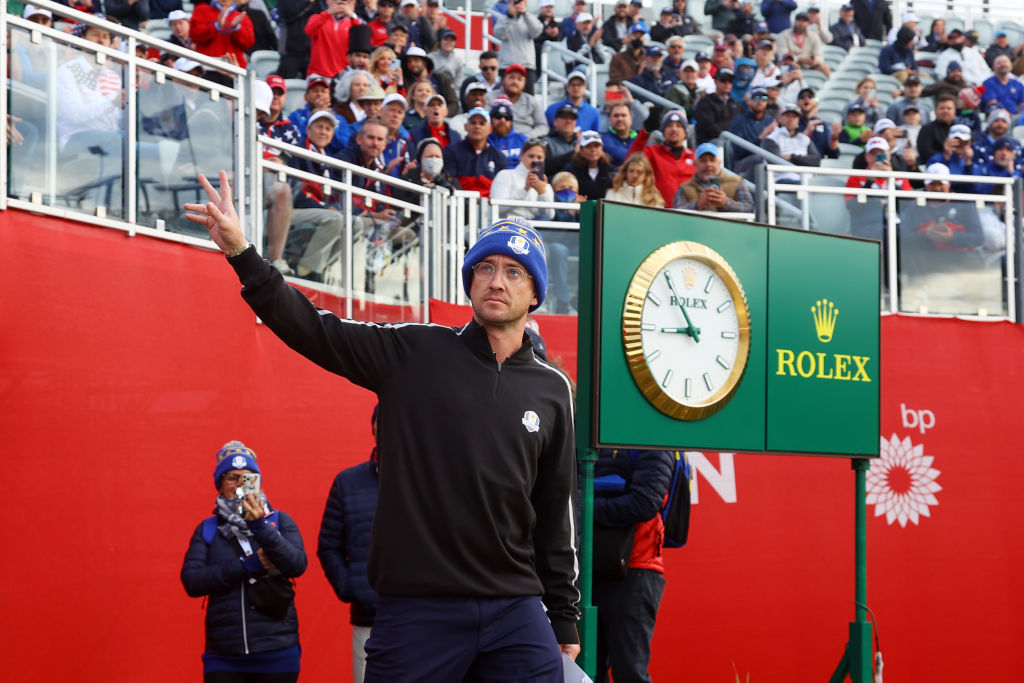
691,360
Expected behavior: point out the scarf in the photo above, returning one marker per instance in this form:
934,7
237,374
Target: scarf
230,524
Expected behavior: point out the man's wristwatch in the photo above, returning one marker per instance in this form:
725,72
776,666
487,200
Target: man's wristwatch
239,250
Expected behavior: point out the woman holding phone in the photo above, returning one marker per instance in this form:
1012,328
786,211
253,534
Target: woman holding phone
242,559
525,182
387,69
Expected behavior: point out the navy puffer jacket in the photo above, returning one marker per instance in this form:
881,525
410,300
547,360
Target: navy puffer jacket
215,570
344,543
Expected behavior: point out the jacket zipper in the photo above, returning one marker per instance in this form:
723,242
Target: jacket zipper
245,633
497,380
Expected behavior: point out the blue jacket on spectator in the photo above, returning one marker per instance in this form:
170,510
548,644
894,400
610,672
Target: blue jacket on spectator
822,138
473,171
510,145
984,146
344,542
588,116
423,132
308,195
776,14
396,147
1009,97
748,127
649,80
991,170
616,147
892,56
956,166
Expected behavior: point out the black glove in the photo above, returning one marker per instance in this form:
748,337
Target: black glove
653,120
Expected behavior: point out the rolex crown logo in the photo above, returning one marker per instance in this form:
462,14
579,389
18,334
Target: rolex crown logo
824,313
689,276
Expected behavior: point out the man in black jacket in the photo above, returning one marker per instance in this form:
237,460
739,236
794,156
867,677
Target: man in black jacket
296,44
561,140
474,534
932,136
874,17
714,112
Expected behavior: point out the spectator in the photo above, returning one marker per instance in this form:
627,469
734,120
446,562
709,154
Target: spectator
824,135
591,166
318,96
685,92
911,124
711,188
1002,89
129,13
569,23
435,126
714,112
753,125
897,59
398,38
620,134
294,15
359,48
635,14
379,25
650,78
313,203
428,171
932,137
503,137
269,99
589,118
416,65
179,21
1001,46
221,32
583,42
436,16
473,161
685,24
816,25
561,140
721,57
562,244
630,597
634,184
705,81
902,158
396,152
951,85
420,29
626,64
743,74
328,33
488,74
367,10
419,91
745,22
264,33
552,29
476,96
845,32
669,25
868,219
856,131
936,40
1005,162
908,20
912,89
368,152
998,128
671,161
874,17
776,14
517,31
673,63
934,237
615,29
529,115
957,155
386,70
161,9
867,98
525,182
445,59
805,45
251,623
344,547
789,143
974,67
722,12
351,95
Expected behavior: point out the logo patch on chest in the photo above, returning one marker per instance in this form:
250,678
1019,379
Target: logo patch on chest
531,421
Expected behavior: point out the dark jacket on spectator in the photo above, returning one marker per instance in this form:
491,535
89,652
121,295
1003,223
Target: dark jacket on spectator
579,44
559,153
544,37
930,139
344,542
843,33
129,14
721,14
821,136
651,81
610,37
421,32
266,36
896,53
309,195
748,127
592,188
713,115
874,17
296,44
159,9
473,171
776,14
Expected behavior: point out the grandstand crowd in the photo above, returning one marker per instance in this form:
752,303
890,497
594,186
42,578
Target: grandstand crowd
386,89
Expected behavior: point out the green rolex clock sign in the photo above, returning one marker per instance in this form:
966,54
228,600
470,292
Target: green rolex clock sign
706,333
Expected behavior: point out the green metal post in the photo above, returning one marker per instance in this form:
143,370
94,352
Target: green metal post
588,618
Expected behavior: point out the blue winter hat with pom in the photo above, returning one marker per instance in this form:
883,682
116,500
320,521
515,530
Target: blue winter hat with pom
516,238
234,455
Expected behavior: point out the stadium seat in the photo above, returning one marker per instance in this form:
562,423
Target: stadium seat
986,31
264,62
847,149
296,94
953,21
828,211
1018,132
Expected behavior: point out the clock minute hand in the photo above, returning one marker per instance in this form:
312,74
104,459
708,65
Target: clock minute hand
691,330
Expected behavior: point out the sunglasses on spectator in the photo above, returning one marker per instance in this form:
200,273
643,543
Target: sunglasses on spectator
488,68
759,98
500,117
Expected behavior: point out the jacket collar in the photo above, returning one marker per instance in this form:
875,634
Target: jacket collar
474,336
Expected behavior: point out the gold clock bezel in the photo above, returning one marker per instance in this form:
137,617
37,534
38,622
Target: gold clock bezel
632,339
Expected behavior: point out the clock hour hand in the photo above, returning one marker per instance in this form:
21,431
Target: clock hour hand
690,329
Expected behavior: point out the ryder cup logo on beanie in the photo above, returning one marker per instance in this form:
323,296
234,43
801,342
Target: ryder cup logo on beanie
516,238
234,455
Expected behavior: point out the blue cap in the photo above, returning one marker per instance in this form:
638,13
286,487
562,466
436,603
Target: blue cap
516,238
501,108
655,51
1000,33
954,66
234,455
707,148
478,111
667,10
638,28
761,27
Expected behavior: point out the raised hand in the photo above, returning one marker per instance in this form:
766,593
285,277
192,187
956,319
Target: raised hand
218,215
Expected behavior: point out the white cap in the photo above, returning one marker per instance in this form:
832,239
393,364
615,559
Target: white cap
690,64
177,15
589,137
31,11
395,97
186,64
908,17
322,114
876,143
576,73
546,3
415,51
406,3
262,95
584,16
960,132
883,124
937,169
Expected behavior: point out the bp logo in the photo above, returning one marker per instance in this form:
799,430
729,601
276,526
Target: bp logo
901,483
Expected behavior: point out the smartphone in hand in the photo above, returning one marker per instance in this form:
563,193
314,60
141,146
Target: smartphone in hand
250,485
537,168
715,182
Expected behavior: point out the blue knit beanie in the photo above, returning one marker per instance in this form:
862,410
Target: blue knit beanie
233,456
516,238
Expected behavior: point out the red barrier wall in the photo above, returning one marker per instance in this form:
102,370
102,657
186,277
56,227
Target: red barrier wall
126,362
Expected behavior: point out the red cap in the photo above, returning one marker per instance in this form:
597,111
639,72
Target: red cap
513,68
275,81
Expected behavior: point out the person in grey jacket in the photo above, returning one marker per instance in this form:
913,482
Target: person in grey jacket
517,30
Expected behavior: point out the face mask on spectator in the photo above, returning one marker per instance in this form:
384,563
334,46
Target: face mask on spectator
432,165
565,196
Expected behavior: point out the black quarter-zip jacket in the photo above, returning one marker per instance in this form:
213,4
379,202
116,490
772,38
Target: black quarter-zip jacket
477,464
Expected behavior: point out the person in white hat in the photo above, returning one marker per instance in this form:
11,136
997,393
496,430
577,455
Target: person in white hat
790,143
583,42
868,218
180,23
957,154
911,21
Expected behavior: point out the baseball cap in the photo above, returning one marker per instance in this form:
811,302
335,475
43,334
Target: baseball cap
435,96
908,17
175,15
501,108
262,95
758,91
938,169
972,36
765,45
846,7
721,46
911,106
637,28
789,107
1003,143
589,137
724,74
912,80
801,16
567,110
576,73
876,143
772,83
667,10
515,68
478,111
580,18
707,148
313,79
275,81
998,114
956,32
674,116
702,57
954,66
322,114
395,97
546,3
477,85
1000,33
960,132
883,124
805,91
690,64
446,33
761,27
185,64
406,3
654,51
855,107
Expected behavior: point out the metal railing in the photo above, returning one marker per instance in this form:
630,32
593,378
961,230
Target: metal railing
547,73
